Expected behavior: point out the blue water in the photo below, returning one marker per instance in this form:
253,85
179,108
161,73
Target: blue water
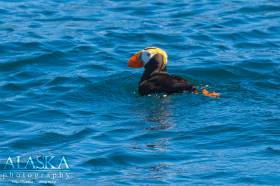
66,90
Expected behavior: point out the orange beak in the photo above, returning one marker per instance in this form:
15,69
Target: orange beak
135,62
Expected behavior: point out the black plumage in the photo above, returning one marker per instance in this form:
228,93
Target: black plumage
155,79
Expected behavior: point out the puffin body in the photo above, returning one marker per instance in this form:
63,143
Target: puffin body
164,83
155,78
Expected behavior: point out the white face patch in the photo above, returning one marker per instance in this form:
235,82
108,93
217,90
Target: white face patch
146,56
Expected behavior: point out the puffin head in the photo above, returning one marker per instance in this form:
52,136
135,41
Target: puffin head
152,58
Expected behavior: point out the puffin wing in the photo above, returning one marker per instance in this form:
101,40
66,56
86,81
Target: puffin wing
164,83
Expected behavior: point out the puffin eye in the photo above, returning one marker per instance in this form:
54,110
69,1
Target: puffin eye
146,56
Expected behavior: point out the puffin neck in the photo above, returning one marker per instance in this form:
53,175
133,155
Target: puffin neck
155,65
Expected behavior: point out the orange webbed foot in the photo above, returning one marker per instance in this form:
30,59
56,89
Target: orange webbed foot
210,94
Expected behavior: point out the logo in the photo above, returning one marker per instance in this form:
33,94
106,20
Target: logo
36,163
35,169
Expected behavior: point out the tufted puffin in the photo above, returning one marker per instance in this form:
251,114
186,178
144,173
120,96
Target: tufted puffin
155,78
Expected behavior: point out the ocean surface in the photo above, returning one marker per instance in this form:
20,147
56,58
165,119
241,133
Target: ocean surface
66,91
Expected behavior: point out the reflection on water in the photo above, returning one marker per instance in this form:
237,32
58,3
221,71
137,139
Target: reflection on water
159,115
157,118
